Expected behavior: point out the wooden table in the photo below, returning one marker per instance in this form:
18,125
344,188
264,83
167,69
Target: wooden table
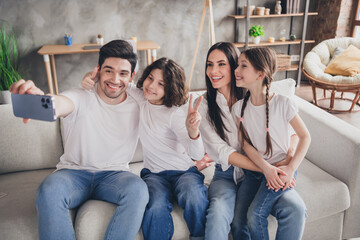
49,52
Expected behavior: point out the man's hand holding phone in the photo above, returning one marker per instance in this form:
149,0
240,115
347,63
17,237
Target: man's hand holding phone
25,87
22,87
31,103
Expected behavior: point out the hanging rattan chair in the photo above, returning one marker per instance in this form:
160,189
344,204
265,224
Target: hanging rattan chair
337,86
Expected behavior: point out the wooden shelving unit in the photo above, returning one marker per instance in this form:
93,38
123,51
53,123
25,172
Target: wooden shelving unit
276,43
274,15
293,67
302,41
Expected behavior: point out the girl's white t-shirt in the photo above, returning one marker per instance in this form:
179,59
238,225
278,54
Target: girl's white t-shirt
281,110
164,137
98,136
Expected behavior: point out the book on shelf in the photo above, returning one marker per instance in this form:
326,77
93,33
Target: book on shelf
284,6
297,7
290,6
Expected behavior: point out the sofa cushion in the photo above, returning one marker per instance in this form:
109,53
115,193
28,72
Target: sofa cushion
335,147
93,217
18,218
323,195
40,143
284,87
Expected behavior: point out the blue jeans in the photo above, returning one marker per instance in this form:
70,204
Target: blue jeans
67,189
222,196
188,189
255,202
289,210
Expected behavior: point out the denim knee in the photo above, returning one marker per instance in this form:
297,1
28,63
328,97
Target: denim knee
40,196
137,191
194,195
256,217
253,219
47,193
297,210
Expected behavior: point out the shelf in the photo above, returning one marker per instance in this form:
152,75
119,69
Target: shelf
273,15
289,20
293,67
276,43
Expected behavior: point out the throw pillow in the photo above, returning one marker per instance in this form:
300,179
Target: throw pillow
346,64
337,52
284,87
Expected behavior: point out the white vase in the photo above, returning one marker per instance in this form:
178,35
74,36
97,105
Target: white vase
5,97
100,41
256,40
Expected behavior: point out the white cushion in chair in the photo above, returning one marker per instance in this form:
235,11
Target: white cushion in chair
319,57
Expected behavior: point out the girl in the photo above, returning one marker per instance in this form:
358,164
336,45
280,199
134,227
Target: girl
265,119
220,135
170,139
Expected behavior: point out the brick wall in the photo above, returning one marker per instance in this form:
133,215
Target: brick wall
334,19
345,19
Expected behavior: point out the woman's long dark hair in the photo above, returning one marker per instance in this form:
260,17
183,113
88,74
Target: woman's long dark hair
214,111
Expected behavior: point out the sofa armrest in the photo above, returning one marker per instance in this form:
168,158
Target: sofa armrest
335,148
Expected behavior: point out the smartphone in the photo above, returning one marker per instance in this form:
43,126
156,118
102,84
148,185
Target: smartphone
40,107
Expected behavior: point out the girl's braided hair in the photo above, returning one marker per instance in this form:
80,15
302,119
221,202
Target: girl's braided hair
264,60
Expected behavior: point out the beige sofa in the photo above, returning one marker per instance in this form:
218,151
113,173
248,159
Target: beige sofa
327,181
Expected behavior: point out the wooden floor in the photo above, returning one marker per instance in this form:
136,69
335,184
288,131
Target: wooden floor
305,92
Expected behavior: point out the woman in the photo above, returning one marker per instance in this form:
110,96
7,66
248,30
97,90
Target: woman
220,135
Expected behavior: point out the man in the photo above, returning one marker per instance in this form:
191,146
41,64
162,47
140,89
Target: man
100,138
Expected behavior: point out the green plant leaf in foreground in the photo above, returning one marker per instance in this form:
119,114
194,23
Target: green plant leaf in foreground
9,57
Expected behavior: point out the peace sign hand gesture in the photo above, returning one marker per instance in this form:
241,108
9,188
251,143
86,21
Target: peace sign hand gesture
193,118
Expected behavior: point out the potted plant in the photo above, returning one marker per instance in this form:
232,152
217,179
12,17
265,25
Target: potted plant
9,62
256,32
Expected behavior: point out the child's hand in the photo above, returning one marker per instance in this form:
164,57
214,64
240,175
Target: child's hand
272,175
90,79
193,118
204,162
286,161
289,179
292,183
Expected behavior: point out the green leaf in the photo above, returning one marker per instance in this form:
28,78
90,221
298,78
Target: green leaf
256,30
9,57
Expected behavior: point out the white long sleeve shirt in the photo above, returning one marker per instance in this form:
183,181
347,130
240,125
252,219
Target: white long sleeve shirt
164,137
218,149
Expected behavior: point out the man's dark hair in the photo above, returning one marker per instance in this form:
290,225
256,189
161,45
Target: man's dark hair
118,49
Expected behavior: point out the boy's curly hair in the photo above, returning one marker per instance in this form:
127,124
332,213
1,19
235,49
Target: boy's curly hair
176,91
